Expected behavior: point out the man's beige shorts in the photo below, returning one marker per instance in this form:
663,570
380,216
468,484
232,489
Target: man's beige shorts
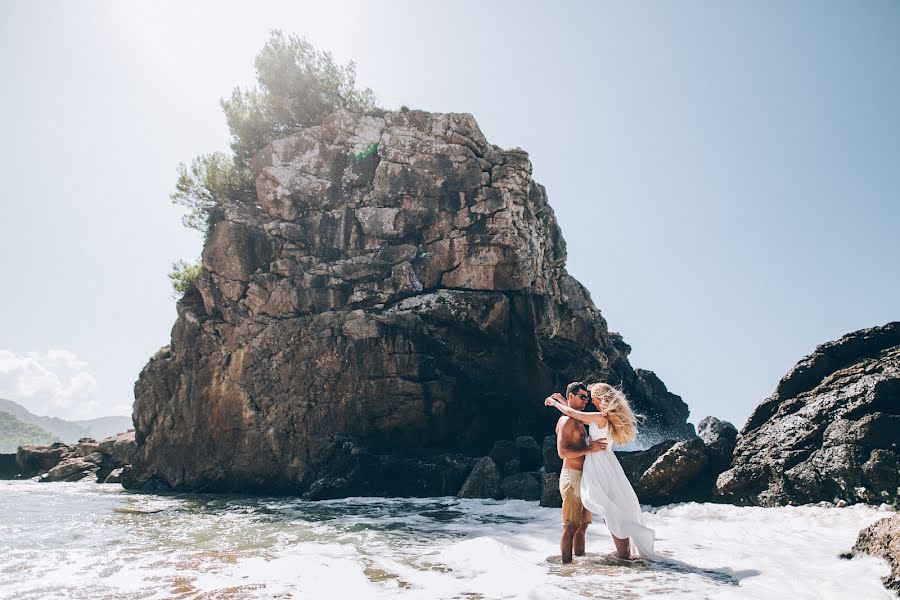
573,512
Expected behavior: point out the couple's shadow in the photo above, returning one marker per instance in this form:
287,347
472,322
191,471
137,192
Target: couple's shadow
595,563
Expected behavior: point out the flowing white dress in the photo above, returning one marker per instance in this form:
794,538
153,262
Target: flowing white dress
607,493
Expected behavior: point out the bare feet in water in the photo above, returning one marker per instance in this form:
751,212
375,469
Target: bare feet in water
623,548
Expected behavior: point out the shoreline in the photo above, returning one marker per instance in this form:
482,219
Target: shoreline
137,544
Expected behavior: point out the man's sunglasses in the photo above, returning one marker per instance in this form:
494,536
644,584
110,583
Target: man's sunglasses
582,396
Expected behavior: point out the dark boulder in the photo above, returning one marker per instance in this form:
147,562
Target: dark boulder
357,471
719,437
552,462
483,481
550,495
674,470
511,467
8,467
636,462
829,432
530,455
507,455
521,486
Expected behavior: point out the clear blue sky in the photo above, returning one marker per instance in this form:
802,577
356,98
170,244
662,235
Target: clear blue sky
726,174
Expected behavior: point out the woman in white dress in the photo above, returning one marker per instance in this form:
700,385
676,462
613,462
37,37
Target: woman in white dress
605,490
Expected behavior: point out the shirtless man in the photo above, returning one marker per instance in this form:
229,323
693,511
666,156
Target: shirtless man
572,444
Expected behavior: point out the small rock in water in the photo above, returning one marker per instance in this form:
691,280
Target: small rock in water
521,486
882,538
483,481
115,476
73,469
550,496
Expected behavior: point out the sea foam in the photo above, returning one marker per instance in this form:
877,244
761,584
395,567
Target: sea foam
68,540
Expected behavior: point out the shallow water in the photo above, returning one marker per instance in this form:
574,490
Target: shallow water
84,540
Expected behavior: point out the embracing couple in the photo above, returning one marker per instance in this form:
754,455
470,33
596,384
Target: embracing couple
592,480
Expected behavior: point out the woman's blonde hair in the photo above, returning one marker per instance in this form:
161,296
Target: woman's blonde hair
613,403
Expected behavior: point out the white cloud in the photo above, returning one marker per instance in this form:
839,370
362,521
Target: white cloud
56,384
66,358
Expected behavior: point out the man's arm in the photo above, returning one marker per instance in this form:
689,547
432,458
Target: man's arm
571,451
597,418
566,448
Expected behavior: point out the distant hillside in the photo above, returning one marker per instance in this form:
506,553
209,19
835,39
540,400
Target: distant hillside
15,432
103,427
68,431
63,431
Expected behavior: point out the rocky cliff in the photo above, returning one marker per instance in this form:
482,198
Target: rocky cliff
394,303
829,432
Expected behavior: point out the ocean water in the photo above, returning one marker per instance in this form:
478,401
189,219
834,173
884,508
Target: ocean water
84,540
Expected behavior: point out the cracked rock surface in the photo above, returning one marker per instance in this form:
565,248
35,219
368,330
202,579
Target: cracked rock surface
399,288
829,432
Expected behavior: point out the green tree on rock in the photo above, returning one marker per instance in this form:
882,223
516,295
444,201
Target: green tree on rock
297,87
182,276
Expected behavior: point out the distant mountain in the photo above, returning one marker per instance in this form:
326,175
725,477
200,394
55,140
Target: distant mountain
64,431
15,432
68,431
103,427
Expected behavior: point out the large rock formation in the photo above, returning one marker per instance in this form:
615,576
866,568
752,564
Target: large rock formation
830,431
400,285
